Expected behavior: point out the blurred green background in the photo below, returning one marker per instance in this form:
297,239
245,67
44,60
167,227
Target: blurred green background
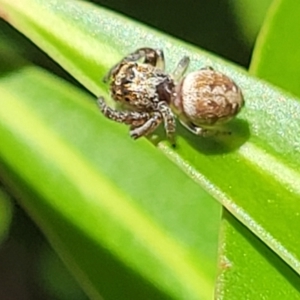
29,269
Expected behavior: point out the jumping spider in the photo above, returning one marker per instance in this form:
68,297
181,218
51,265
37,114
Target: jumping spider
202,100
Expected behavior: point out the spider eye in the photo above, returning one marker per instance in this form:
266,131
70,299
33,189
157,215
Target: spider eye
126,81
130,73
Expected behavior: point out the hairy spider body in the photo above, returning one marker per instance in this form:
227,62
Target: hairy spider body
141,87
148,95
145,90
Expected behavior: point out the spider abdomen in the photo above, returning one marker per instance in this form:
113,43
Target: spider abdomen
208,98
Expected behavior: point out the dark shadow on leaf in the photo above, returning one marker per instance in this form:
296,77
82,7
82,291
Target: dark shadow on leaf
213,145
10,63
222,143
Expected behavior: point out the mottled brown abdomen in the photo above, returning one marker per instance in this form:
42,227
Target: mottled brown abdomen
208,98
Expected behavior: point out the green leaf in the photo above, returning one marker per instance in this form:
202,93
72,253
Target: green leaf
250,15
99,209
242,254
276,56
55,278
251,173
6,211
248,269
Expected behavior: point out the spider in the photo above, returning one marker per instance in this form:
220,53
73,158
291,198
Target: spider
149,96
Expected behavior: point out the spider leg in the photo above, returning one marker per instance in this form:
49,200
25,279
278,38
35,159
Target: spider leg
154,57
132,118
148,127
205,132
207,68
181,68
169,120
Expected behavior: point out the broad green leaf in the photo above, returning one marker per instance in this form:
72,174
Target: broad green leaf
109,206
252,173
248,269
276,56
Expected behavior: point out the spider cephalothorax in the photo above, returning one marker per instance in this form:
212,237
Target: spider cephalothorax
148,96
138,82
141,86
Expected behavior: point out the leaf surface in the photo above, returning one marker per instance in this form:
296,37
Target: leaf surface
247,267
276,56
99,210
253,172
